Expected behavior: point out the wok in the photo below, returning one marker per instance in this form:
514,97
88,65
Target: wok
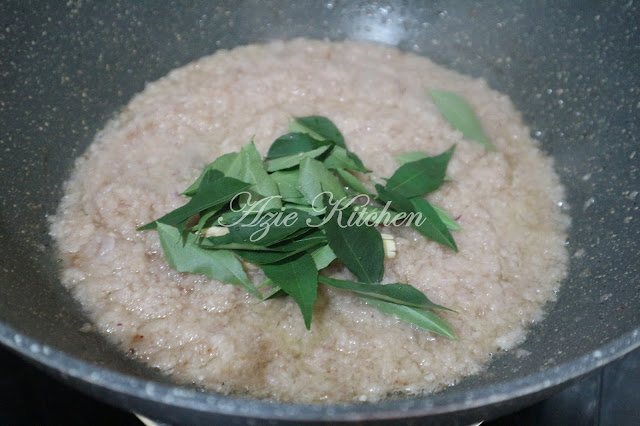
572,68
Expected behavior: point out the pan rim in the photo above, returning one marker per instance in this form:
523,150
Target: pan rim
184,397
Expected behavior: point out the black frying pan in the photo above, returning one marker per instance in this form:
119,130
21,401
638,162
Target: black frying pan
572,68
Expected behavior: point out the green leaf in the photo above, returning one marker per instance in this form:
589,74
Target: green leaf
284,250
431,225
220,265
272,223
318,127
420,177
375,215
306,238
323,256
448,221
358,247
421,318
314,174
214,191
266,282
428,223
460,115
298,277
290,161
217,243
352,182
252,171
205,220
299,240
301,204
340,158
297,201
398,202
244,208
221,164
329,182
287,182
409,157
401,294
264,257
273,294
293,143
301,233
270,227
246,166
310,185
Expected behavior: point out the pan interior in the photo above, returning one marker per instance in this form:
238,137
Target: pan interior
573,71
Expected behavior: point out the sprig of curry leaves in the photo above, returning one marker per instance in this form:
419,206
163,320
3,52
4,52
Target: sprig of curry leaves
304,173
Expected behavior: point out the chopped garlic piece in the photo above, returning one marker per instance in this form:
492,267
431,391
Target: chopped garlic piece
389,245
215,231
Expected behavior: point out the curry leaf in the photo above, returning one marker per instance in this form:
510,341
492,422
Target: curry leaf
409,157
431,225
448,221
220,265
421,318
221,164
426,220
205,219
270,227
292,143
290,161
340,158
252,171
420,177
264,257
460,115
398,202
401,294
313,174
287,181
323,256
329,182
310,185
246,166
226,243
272,223
301,204
375,215
298,277
307,239
352,181
273,294
213,191
283,250
358,247
320,128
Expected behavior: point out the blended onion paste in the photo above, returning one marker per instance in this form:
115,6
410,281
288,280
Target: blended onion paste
511,256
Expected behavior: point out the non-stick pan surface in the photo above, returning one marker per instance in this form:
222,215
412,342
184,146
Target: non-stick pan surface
572,68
